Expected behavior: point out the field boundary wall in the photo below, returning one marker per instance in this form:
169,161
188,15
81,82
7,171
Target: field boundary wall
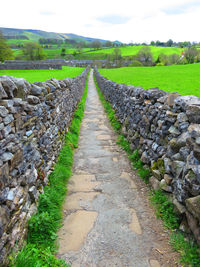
34,119
165,128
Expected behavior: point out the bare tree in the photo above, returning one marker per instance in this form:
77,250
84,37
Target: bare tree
96,44
190,54
145,56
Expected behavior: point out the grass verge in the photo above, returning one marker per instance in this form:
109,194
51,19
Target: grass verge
188,249
185,245
43,226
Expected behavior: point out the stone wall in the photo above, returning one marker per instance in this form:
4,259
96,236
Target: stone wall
165,128
33,121
29,65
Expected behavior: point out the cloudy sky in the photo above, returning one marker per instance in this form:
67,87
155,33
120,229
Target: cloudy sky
124,20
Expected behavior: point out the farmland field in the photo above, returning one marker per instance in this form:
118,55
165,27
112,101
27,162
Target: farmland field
54,51
130,51
183,79
43,75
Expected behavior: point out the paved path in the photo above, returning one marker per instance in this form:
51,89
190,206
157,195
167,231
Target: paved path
107,219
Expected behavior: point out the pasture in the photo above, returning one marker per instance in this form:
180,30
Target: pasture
54,51
43,75
183,79
133,50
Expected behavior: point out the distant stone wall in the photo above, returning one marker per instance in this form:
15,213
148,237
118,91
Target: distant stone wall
100,63
33,121
58,63
29,65
165,128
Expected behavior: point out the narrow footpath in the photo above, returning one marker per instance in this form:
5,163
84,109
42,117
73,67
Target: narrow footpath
107,218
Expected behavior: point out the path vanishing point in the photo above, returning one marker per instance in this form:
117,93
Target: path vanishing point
107,217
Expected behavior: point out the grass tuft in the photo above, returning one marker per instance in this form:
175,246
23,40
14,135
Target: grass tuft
188,249
164,209
31,255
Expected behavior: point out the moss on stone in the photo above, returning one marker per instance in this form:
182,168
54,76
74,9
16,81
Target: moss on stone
159,165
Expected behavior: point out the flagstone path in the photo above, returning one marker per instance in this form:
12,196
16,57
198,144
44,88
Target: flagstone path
107,218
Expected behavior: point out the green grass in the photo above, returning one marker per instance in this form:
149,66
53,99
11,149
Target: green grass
42,226
32,256
126,51
43,75
133,50
17,41
165,209
183,79
137,164
188,249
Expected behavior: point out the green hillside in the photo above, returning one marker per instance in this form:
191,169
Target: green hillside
35,35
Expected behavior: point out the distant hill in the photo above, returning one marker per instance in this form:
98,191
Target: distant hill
35,35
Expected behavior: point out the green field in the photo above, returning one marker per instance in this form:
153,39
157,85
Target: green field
183,79
54,51
43,75
130,51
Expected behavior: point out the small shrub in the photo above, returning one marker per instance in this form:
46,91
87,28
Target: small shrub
136,63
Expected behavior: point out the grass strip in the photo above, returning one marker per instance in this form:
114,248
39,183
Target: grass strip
43,226
187,247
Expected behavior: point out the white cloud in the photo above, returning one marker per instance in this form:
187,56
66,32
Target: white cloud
127,20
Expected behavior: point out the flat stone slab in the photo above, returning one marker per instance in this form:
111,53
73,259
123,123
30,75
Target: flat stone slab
82,182
78,200
75,229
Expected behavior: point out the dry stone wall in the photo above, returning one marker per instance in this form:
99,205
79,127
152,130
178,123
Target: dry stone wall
165,128
29,65
33,121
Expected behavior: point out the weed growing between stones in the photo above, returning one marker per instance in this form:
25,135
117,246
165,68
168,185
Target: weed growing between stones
189,251
43,226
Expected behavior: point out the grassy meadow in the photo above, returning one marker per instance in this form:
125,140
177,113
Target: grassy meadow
183,79
133,50
43,75
54,51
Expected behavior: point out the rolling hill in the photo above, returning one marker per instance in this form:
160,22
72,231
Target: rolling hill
35,35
